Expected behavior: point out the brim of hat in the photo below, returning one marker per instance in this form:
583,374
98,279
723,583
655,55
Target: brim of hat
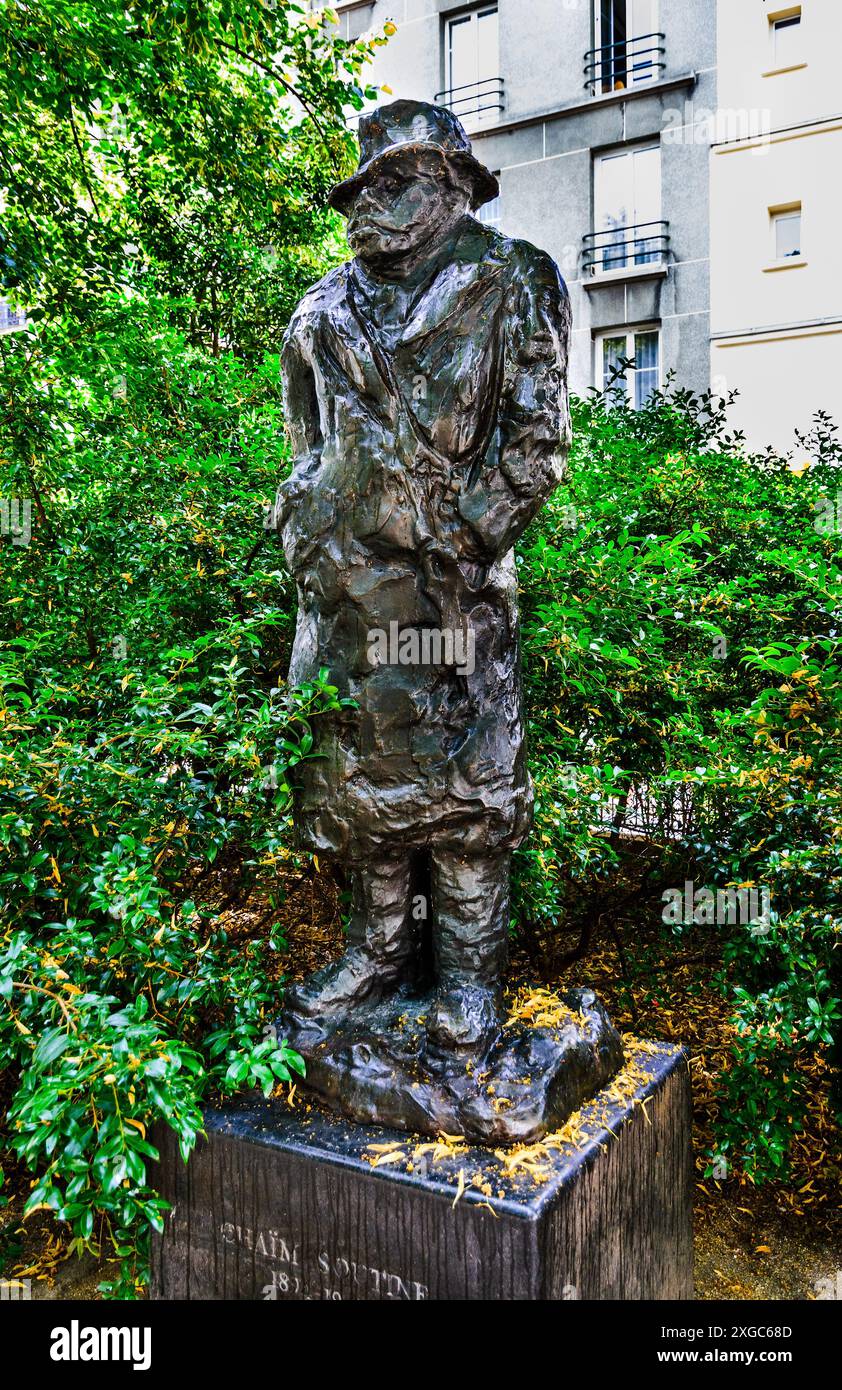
485,185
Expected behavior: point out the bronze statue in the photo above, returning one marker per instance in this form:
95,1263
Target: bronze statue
426,398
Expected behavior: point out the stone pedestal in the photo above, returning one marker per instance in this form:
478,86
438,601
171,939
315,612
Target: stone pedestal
281,1204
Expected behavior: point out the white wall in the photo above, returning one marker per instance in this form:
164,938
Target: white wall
748,77
776,326
750,287
783,380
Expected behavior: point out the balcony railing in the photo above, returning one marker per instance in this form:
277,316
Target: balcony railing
623,248
615,66
473,99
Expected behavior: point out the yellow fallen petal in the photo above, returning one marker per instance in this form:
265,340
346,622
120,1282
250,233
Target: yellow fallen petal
389,1158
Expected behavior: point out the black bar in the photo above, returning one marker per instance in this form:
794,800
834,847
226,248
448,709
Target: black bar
221,1340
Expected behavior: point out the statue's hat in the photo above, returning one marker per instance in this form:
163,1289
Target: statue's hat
406,127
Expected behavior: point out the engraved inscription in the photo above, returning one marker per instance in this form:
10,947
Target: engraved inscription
321,1277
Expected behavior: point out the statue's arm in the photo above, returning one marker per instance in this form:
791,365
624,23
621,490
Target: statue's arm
303,419
534,422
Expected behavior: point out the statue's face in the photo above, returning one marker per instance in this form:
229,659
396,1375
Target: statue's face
406,208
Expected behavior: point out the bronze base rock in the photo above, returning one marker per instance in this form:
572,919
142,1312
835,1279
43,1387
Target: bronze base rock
379,1067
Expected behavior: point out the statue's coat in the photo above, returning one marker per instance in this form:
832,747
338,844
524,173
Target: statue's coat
421,454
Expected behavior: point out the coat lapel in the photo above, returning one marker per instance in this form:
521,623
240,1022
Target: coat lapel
466,292
352,344
474,272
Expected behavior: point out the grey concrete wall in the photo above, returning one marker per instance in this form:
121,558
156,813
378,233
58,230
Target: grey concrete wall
542,48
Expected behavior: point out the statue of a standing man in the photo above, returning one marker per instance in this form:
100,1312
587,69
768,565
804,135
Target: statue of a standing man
427,404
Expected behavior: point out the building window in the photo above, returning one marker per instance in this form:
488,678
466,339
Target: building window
474,88
627,50
10,318
627,204
786,228
629,366
786,40
354,16
489,213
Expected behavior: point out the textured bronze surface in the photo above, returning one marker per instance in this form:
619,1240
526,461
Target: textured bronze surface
379,1067
426,395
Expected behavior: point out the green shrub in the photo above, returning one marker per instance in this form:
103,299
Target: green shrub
681,623
163,189
680,618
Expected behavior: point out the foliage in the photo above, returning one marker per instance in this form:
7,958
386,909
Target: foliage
131,1002
681,628
167,139
162,178
162,195
143,734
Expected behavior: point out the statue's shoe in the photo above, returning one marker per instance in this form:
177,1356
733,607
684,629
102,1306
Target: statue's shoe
356,980
464,1018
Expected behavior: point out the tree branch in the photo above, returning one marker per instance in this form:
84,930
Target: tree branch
279,77
83,166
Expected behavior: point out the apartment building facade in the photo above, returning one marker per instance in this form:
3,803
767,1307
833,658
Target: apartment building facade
589,112
776,283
